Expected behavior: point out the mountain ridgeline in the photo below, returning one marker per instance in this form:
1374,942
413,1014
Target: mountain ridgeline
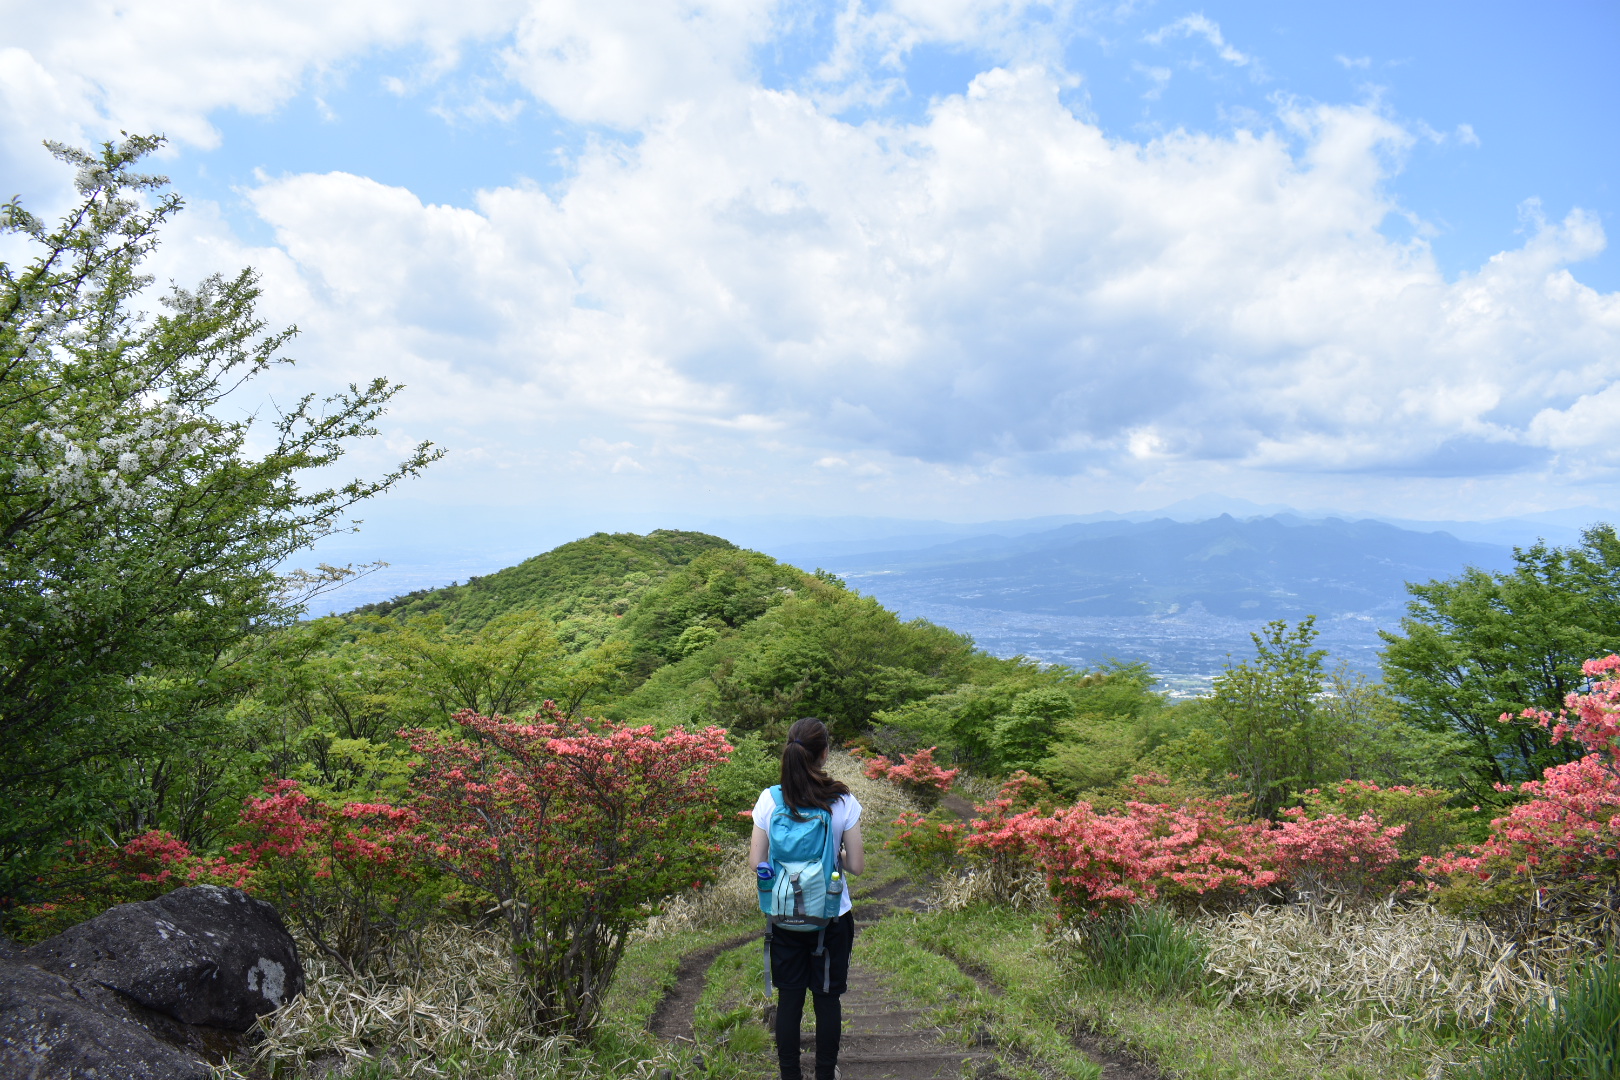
1257,569
600,575
1179,596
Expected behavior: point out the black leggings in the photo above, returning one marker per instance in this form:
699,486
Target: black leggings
829,1025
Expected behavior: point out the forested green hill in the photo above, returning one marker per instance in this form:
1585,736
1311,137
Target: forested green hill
602,574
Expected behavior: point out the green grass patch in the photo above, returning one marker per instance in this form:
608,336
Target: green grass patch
1576,1039
1142,995
1030,1043
646,973
1145,949
729,1021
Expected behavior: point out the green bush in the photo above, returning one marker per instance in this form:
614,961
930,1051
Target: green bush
1144,948
928,847
1576,1039
752,768
1432,826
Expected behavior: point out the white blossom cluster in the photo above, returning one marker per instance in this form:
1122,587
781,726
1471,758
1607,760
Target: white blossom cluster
116,472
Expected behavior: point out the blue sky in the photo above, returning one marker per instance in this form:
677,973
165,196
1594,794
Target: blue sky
1536,86
958,260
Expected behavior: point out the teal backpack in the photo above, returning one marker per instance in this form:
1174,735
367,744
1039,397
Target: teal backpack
807,886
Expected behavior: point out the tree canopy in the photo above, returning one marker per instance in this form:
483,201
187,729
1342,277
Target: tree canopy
1482,644
140,537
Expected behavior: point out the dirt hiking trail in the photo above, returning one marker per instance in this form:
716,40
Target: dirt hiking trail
883,1039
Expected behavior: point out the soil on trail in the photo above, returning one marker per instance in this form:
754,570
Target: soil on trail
1117,1063
883,1038
673,1017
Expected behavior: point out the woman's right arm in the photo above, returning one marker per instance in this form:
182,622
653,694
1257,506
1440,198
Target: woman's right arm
759,847
854,860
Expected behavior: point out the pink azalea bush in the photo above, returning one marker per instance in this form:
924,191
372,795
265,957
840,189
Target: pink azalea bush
1195,851
1560,848
574,829
1097,861
346,875
1431,825
1334,853
917,773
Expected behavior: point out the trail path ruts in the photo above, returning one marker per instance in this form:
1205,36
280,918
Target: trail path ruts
882,1039
1117,1063
673,1017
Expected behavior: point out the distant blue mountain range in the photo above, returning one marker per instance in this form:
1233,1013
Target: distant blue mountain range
1181,595
1262,568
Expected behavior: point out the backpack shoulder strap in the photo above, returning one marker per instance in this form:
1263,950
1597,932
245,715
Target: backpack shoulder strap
833,843
776,795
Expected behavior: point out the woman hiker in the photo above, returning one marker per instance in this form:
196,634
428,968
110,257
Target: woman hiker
810,959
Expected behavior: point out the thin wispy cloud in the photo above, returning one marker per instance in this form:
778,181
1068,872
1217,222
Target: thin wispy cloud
1202,27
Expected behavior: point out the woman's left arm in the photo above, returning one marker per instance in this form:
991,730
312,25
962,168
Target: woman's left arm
854,859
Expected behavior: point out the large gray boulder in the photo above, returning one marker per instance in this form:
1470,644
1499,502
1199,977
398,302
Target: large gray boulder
52,1030
201,954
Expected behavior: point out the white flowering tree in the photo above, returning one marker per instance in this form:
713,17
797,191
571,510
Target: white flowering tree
139,536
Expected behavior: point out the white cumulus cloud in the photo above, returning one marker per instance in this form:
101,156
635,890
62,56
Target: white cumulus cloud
748,283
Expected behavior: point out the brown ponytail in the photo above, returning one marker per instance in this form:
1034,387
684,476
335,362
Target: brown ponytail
804,785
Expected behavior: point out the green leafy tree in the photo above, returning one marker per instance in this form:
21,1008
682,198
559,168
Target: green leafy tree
959,721
832,653
1103,742
1369,737
1482,644
1273,734
717,592
498,669
752,767
1022,735
139,535
1081,729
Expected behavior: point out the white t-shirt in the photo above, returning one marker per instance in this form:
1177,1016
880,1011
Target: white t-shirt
845,813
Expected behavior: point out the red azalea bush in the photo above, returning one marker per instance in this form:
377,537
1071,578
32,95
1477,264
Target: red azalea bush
1336,854
1431,825
1557,854
103,876
1198,851
574,828
347,875
917,773
1195,851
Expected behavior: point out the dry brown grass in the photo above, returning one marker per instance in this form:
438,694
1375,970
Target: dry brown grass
1398,964
879,799
733,897
1022,889
462,996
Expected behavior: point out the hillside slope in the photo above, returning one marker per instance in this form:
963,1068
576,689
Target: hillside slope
601,575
